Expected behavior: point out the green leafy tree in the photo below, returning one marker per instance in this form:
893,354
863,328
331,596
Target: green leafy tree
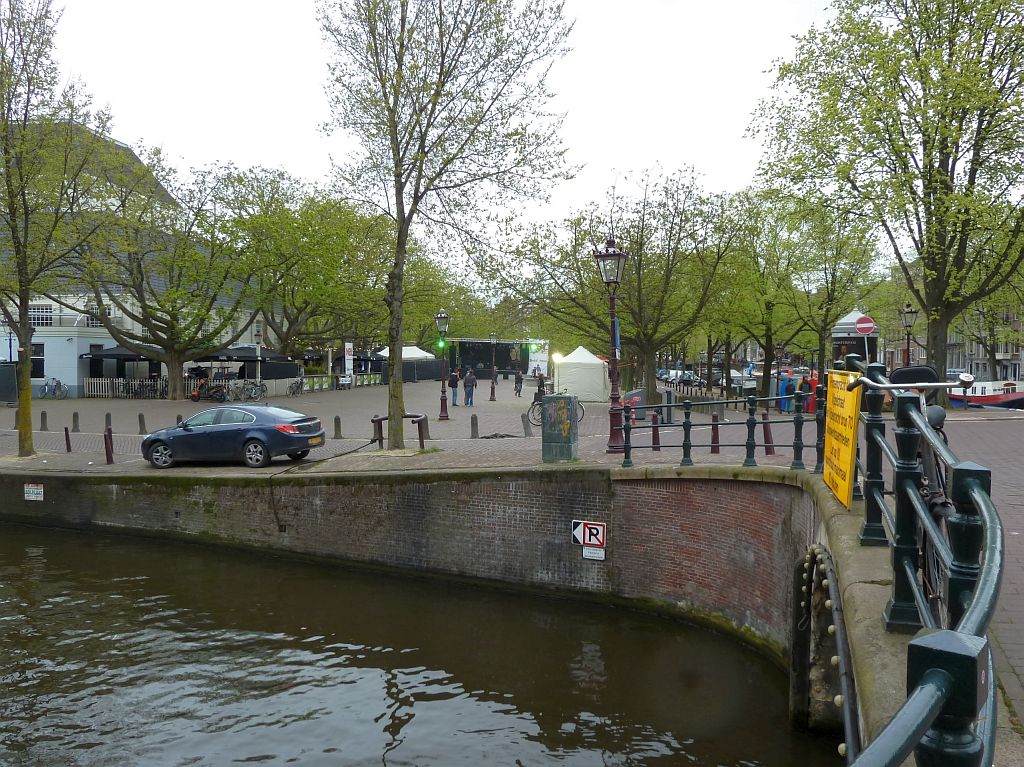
448,100
914,112
53,155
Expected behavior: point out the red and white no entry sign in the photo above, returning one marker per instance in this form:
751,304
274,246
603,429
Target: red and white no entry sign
865,325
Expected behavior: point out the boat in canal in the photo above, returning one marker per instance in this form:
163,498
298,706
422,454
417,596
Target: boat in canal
1006,394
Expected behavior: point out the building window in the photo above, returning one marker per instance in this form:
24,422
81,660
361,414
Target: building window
40,315
38,359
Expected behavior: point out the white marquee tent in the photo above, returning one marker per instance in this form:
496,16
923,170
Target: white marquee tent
409,353
583,375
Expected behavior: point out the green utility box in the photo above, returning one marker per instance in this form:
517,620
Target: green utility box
560,432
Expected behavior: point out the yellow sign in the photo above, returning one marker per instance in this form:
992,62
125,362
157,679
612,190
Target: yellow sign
841,418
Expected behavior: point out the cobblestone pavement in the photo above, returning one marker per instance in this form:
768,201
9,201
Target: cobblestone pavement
991,438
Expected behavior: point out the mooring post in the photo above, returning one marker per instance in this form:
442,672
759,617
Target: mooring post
142,424
474,427
655,438
687,460
751,431
420,428
627,427
769,443
527,431
74,422
425,430
337,427
107,424
715,449
108,445
67,439
42,421
378,432
798,432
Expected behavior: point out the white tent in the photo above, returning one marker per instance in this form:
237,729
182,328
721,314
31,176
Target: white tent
583,375
409,353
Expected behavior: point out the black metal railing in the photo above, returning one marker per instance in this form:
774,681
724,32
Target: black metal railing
946,541
661,419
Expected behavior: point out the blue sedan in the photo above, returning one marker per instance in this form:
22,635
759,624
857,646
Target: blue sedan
251,433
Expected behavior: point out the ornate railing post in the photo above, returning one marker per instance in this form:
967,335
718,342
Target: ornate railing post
872,533
627,427
820,401
798,432
901,612
751,430
966,535
687,460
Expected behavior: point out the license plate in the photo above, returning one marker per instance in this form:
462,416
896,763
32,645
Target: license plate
315,440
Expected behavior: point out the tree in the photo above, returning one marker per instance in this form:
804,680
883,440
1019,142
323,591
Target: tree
914,111
52,157
447,99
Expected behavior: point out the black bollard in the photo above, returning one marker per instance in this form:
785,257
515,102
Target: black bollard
74,422
474,427
42,421
142,424
337,427
107,424
108,445
67,439
527,431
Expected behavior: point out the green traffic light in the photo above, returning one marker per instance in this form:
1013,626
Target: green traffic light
440,343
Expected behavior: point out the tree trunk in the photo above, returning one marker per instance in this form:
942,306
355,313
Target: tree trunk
24,371
647,358
938,331
175,376
396,309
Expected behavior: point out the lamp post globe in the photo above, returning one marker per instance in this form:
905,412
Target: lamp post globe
908,316
494,369
611,263
441,321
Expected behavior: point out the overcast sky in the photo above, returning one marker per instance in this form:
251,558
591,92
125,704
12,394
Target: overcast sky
649,83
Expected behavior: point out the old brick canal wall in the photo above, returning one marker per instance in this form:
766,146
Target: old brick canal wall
713,543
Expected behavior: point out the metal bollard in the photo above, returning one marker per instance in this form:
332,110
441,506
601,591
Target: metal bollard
178,419
769,443
42,421
378,432
74,422
628,417
751,443
67,439
108,445
425,429
107,424
527,431
337,427
421,427
715,449
655,437
142,424
798,436
474,427
687,459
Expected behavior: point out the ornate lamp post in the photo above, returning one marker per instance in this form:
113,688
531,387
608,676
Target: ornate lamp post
494,370
441,320
908,316
611,262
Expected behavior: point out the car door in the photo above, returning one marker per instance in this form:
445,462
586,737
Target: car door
227,434
190,440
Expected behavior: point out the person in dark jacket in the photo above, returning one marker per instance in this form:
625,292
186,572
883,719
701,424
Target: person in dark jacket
453,384
469,384
519,382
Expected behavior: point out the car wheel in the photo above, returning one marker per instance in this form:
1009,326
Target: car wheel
160,456
298,456
255,454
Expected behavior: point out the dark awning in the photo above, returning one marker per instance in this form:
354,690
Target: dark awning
113,353
242,354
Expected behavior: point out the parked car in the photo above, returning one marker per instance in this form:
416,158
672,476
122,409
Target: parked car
253,434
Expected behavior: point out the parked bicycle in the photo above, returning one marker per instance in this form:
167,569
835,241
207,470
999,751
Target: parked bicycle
296,387
254,391
53,388
536,411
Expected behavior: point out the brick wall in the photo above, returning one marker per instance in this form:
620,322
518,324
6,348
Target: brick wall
698,544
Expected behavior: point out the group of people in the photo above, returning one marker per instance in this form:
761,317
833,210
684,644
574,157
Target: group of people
790,386
469,383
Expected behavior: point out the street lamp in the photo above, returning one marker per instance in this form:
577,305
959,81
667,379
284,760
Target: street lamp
259,353
441,320
611,262
494,370
908,316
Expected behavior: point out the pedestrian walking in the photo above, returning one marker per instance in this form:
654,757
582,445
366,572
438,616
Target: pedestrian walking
519,382
469,384
453,384
805,389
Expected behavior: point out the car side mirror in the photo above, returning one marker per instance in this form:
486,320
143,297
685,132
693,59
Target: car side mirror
184,426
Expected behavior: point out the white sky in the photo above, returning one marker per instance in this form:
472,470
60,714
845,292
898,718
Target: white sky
650,83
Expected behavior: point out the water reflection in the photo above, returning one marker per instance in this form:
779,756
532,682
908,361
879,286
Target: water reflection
125,652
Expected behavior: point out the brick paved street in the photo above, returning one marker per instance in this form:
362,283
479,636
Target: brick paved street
992,438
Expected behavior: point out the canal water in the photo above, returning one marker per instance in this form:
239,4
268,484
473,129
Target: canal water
120,651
